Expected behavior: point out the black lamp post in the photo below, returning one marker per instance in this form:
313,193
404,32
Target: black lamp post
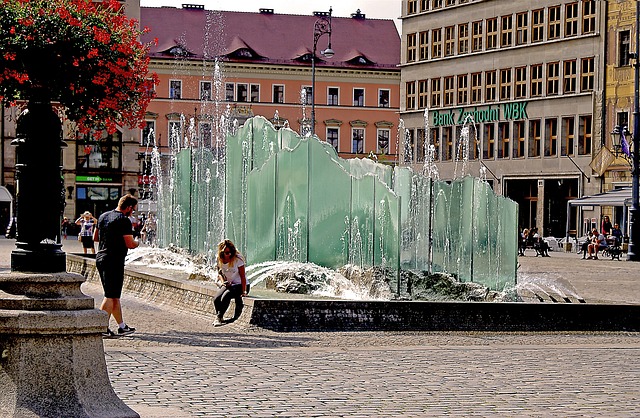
321,27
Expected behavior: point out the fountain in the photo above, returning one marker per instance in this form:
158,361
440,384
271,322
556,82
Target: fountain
290,198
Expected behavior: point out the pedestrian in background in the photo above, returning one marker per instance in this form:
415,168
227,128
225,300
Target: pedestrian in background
87,223
64,226
115,237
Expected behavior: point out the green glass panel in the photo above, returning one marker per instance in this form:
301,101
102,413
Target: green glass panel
386,226
238,158
330,203
261,236
361,246
182,202
482,256
403,185
421,206
441,243
464,258
265,141
508,233
292,203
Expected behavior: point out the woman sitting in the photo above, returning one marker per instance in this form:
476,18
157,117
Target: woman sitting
231,279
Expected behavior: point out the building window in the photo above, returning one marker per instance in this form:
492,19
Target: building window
278,93
587,74
521,82
534,137
463,89
536,80
383,141
411,95
205,133
358,97
476,36
229,92
242,92
384,96
449,41
424,45
622,119
505,84
408,145
175,134
463,38
435,140
571,19
624,40
522,28
449,90
411,47
436,93
568,136
175,89
332,137
306,94
491,83
506,31
569,78
589,16
148,134
488,141
476,88
554,22
519,138
424,5
436,43
537,29
412,7
492,33
550,137
447,143
205,90
503,140
436,4
423,94
332,96
584,135
420,151
255,93
553,78
357,140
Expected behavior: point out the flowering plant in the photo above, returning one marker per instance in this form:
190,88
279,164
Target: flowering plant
83,54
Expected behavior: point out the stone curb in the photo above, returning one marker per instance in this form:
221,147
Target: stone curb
339,315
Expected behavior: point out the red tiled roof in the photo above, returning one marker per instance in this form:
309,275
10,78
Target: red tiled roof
272,38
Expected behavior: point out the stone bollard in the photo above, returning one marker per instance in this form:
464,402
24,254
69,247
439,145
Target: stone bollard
51,354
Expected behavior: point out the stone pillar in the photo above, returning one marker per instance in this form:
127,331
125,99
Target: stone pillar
51,355
540,209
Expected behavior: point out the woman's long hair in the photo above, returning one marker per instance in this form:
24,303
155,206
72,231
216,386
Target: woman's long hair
227,244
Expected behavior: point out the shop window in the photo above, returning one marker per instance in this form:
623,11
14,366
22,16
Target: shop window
101,154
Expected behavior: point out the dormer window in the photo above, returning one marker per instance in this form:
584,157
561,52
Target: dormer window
360,60
305,58
178,51
243,53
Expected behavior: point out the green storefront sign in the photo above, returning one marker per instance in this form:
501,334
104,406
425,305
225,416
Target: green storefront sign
491,113
93,179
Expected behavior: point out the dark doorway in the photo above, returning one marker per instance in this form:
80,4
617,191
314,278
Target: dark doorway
525,194
556,194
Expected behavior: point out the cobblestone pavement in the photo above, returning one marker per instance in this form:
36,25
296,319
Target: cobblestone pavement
177,365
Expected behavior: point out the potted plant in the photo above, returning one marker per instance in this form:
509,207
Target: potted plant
86,57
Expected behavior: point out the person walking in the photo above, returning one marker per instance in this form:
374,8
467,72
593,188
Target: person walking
231,279
115,237
86,222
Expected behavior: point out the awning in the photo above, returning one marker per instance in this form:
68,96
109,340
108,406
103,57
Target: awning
5,196
617,197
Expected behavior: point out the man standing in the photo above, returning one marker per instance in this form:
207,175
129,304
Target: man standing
115,237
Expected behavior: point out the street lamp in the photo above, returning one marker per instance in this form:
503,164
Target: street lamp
321,27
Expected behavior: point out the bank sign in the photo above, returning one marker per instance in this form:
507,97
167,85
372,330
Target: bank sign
491,113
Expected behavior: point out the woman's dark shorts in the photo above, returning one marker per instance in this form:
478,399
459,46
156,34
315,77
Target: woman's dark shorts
111,276
87,241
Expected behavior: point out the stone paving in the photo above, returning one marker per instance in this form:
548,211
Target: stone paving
178,365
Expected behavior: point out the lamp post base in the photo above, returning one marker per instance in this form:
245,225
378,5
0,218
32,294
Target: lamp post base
51,354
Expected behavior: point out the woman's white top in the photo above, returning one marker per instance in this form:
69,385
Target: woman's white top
230,270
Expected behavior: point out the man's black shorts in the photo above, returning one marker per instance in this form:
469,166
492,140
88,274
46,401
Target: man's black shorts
112,276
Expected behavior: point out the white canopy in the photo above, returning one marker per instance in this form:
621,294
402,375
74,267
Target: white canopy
5,196
617,197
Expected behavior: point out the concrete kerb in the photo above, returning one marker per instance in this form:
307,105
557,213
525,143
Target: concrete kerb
289,315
